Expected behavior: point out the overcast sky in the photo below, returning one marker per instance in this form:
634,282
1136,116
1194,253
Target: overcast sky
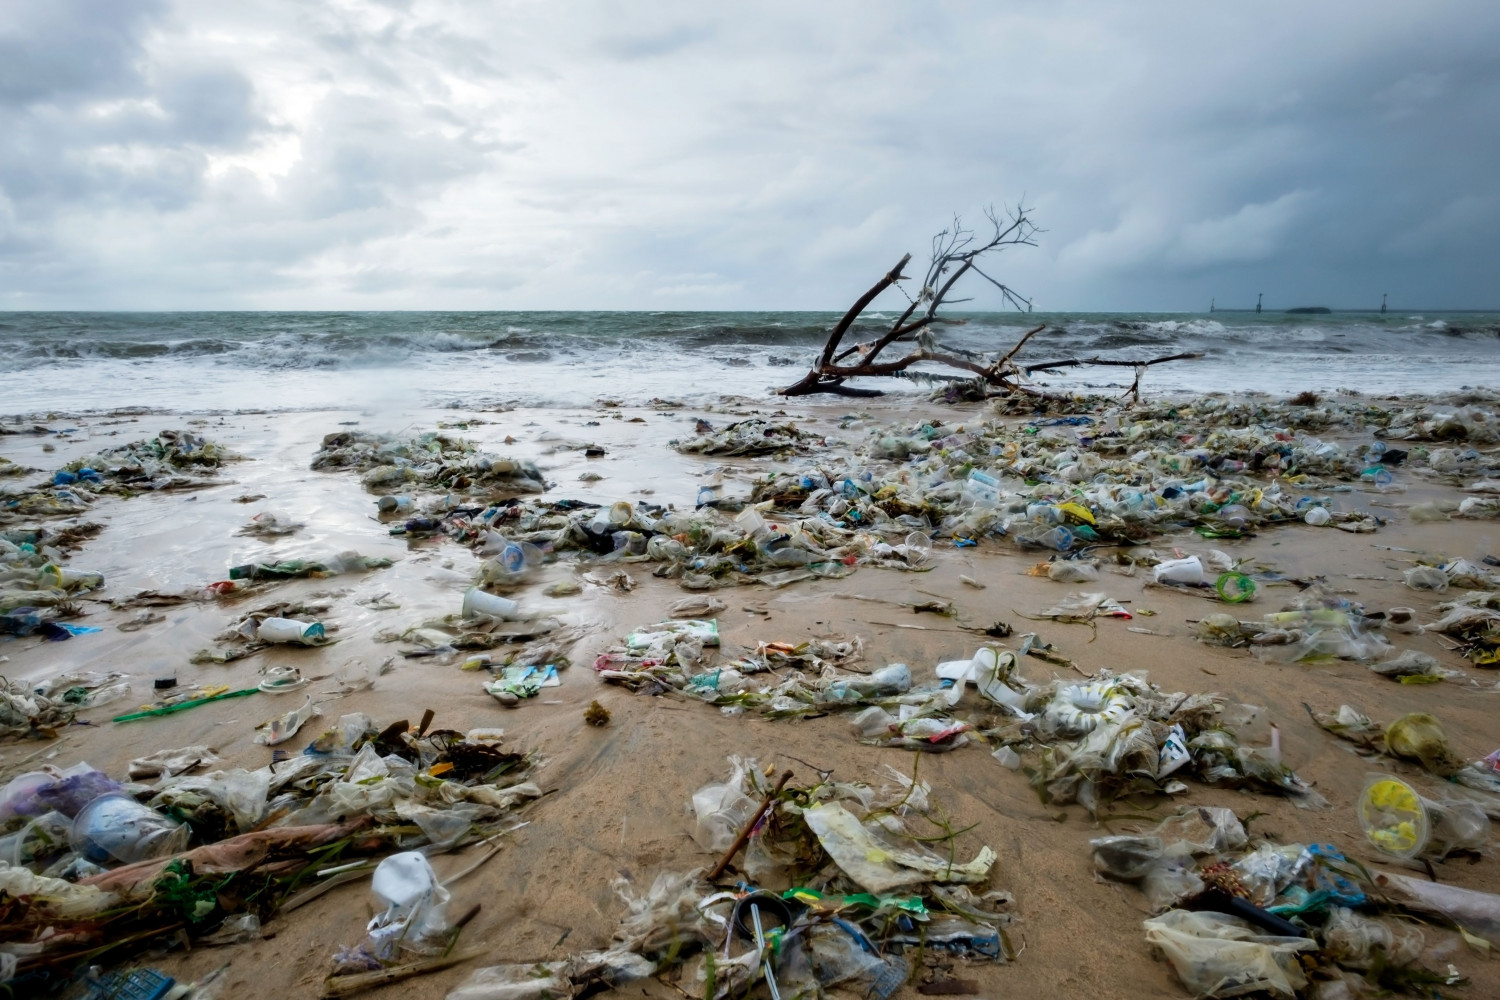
271,154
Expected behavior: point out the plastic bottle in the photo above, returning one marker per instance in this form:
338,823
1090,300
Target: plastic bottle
1234,515
981,489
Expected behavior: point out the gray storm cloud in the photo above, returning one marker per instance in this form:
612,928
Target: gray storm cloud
287,154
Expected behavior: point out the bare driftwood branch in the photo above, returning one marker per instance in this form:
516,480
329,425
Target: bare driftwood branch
956,251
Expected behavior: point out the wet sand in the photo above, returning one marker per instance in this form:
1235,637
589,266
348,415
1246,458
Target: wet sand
618,802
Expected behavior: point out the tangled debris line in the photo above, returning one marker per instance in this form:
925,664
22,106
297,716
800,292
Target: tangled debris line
1112,737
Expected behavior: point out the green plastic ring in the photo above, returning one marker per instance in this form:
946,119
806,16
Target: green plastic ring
1235,588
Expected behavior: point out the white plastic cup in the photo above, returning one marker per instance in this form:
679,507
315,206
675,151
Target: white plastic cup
478,602
289,630
1188,571
1317,516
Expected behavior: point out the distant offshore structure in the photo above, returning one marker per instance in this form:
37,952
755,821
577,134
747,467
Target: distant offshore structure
1213,306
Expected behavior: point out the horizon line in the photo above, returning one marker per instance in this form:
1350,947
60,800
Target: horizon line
1040,312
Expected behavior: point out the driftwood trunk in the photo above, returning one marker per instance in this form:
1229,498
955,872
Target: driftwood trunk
956,253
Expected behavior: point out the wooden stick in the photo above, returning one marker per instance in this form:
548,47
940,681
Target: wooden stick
355,982
744,836
837,334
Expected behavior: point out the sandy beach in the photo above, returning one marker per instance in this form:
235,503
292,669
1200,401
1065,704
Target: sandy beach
617,796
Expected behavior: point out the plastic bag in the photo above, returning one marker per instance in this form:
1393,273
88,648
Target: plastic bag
1427,578
243,795
1476,912
62,899
1268,869
166,763
1409,663
1172,879
873,721
1359,942
414,918
1221,956
1072,571
1420,737
879,867
1202,830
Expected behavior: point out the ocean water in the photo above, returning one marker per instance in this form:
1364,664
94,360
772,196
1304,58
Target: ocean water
240,360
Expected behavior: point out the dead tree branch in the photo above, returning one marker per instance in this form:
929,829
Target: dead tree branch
956,252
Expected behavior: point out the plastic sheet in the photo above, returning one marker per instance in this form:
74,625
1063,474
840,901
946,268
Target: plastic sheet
880,867
1221,956
1359,942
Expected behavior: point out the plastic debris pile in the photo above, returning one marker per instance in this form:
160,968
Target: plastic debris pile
1111,736
36,585
840,890
434,460
748,437
1104,481
1119,735
173,460
24,713
1236,916
701,550
214,852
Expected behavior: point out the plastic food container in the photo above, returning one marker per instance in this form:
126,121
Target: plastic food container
116,827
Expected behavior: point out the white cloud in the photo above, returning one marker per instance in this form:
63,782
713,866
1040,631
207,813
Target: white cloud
1253,233
437,153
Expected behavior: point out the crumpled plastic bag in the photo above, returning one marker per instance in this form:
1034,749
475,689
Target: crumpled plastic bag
60,898
1420,737
1359,942
1427,578
1221,956
415,914
1162,860
1409,663
880,867
166,763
